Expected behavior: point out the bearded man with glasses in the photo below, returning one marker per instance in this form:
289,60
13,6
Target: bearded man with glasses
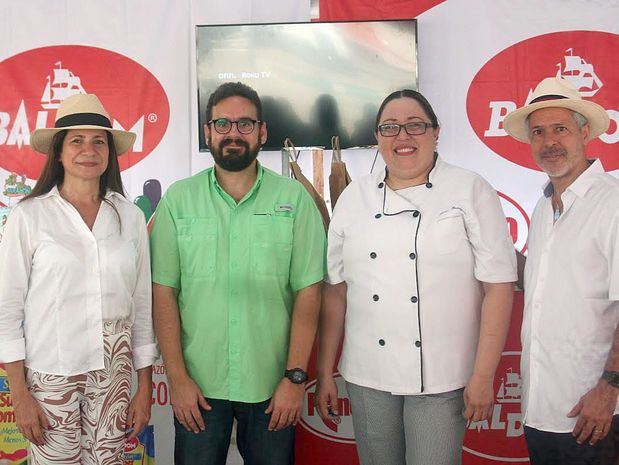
238,262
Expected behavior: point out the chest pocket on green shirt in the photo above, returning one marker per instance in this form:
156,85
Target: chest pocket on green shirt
271,245
197,246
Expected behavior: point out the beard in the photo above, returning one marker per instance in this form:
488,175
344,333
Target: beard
236,159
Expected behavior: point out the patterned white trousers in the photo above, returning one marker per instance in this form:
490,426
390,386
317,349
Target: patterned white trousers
87,412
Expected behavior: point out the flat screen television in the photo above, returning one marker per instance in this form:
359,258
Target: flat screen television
315,80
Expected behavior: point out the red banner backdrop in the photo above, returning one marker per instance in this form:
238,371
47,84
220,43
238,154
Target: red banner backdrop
498,441
358,10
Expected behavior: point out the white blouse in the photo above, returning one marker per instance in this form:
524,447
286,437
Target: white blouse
413,261
59,281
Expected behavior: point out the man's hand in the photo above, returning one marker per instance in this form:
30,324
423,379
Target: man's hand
138,414
30,418
595,412
326,398
186,396
478,399
286,404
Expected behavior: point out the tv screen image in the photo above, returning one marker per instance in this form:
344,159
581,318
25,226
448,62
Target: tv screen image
315,80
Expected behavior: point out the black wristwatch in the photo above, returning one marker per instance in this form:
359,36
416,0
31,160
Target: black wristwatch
296,375
611,377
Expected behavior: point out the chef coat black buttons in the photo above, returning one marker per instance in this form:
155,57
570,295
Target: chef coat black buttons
378,215
417,343
412,256
414,299
381,185
372,254
416,213
429,185
375,297
381,342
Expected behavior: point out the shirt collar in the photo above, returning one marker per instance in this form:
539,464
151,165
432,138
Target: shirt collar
54,192
582,183
393,203
259,175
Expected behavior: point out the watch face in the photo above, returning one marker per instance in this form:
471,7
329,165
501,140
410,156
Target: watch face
296,375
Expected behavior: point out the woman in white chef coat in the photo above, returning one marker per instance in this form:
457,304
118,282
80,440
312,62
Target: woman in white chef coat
420,271
75,296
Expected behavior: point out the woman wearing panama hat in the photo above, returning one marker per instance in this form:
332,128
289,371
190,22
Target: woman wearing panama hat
75,295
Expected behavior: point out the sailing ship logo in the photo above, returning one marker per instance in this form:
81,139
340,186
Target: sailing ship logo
580,73
510,390
62,83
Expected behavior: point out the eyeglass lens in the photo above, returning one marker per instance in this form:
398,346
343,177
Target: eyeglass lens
243,125
414,128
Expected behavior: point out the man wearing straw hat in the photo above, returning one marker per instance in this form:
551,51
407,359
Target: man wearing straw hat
570,334
238,260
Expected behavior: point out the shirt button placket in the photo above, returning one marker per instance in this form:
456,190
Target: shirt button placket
234,333
93,304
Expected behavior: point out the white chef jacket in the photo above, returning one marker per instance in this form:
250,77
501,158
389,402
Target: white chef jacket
59,281
571,298
413,261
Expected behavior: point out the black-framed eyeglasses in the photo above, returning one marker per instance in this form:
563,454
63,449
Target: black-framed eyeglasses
243,125
414,128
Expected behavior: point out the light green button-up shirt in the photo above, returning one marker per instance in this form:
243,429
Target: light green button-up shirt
237,268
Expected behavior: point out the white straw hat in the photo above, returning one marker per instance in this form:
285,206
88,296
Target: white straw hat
81,111
555,92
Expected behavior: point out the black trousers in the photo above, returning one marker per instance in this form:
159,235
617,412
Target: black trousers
547,448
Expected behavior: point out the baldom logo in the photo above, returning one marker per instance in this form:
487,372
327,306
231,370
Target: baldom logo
588,59
35,82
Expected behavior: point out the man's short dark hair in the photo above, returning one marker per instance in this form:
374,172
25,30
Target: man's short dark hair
233,89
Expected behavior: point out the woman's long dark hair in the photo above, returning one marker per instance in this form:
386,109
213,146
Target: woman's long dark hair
53,171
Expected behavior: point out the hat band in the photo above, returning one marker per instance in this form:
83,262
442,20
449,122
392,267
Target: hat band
83,119
547,97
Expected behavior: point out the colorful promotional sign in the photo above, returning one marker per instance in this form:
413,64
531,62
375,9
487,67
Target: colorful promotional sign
141,450
4,215
13,446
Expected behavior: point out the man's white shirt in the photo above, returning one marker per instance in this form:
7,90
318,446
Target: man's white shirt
571,298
